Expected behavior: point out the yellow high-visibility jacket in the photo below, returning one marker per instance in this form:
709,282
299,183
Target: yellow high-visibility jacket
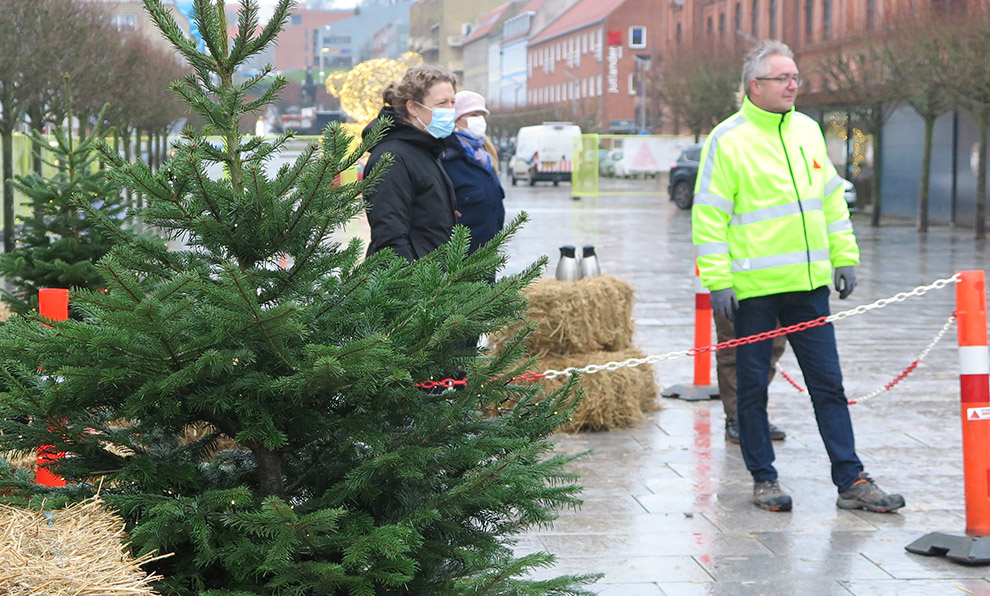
769,214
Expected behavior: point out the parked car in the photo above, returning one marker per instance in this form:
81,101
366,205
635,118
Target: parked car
606,162
684,172
544,152
606,166
682,176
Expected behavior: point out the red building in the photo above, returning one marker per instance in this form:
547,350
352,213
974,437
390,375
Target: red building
592,63
305,35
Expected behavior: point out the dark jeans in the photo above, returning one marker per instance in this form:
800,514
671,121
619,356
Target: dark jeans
819,360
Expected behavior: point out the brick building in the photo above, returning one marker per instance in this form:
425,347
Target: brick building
591,62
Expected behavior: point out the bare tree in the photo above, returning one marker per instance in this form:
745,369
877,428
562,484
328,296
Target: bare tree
968,51
862,80
919,56
700,87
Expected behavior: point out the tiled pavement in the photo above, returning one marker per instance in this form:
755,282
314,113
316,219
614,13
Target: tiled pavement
666,503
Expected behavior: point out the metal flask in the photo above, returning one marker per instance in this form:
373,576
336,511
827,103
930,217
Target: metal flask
567,267
589,262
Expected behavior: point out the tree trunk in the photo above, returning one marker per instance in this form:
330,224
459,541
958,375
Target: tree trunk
269,471
877,168
8,190
981,179
926,166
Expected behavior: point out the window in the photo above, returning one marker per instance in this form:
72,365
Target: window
721,26
737,19
827,18
584,44
637,37
125,23
809,7
295,19
871,14
772,15
754,17
632,84
708,28
678,34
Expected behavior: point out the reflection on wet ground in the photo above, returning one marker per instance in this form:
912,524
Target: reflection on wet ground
667,506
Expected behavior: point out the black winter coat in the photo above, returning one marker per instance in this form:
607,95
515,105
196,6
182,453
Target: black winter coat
479,193
412,206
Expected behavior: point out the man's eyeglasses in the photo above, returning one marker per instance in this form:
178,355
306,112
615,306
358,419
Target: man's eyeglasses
784,79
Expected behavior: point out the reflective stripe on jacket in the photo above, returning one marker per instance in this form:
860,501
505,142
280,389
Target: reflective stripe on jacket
769,214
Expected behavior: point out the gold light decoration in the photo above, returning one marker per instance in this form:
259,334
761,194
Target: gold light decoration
360,89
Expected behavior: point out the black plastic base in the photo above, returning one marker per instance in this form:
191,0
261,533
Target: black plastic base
691,392
965,549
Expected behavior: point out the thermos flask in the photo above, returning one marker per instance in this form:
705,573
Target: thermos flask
589,262
567,267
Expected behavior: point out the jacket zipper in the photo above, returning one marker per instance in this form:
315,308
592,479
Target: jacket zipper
807,169
797,193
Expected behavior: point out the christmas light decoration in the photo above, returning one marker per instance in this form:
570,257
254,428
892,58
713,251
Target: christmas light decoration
360,89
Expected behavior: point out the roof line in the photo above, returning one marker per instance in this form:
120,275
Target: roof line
563,33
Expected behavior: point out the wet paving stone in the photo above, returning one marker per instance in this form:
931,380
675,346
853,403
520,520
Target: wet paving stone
668,501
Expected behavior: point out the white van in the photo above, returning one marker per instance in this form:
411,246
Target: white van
544,152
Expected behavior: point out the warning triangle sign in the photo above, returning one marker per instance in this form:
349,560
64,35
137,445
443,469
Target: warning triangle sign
815,165
973,414
644,160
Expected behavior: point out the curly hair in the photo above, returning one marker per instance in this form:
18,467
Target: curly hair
415,84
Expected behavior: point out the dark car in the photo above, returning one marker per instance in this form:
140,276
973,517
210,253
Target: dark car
682,177
685,171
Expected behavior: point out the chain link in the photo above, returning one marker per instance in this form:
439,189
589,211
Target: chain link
733,343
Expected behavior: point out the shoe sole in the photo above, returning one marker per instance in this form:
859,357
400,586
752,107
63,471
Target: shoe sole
851,504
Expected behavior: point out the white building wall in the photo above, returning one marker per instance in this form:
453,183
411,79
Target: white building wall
513,80
494,91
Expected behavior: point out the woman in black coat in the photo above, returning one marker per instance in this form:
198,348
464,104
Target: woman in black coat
412,207
472,168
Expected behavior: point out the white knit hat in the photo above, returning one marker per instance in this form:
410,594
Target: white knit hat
466,102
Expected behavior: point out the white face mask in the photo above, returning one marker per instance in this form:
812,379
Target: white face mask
476,126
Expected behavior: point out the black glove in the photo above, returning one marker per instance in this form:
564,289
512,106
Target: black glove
724,303
845,281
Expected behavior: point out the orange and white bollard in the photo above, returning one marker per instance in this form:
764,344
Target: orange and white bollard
53,303
974,384
702,387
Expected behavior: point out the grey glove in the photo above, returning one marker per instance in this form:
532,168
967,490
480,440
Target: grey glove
724,303
845,281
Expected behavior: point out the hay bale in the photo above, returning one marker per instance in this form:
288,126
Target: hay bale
590,315
78,550
612,398
4,312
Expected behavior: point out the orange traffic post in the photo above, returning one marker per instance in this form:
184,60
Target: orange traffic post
973,548
702,387
53,303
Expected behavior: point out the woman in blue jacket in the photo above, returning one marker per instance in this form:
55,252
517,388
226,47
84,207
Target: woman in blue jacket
471,165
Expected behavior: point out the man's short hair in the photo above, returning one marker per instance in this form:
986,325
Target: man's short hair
756,64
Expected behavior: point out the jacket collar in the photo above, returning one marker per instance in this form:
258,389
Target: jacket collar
763,118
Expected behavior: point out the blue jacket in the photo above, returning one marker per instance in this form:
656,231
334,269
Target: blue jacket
478,190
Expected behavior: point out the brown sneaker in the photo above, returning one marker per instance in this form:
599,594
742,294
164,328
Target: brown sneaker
768,495
865,494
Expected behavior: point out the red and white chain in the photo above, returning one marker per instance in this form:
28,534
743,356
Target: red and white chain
864,308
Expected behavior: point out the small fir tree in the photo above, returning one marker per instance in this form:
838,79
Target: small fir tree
58,247
346,478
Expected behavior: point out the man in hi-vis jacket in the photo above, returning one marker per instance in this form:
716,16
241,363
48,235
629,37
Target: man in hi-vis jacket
772,230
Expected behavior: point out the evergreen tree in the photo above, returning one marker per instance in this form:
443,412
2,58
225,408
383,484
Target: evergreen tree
58,247
345,477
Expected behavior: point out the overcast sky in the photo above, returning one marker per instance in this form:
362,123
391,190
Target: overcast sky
267,5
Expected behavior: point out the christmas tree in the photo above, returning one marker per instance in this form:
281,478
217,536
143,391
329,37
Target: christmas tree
319,465
58,247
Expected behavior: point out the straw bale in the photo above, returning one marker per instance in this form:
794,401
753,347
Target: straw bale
590,315
612,398
79,550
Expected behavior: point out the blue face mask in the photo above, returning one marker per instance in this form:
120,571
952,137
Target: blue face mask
442,123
